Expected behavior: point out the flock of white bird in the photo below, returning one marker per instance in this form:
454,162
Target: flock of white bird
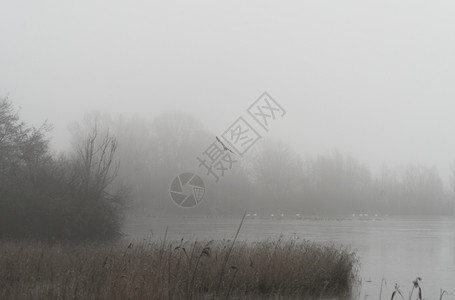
282,215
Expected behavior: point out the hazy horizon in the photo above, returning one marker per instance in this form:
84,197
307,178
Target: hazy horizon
372,80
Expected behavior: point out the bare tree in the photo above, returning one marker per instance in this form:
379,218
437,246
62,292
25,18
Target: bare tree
22,148
96,168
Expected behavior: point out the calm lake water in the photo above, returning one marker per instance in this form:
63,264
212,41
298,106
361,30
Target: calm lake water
398,249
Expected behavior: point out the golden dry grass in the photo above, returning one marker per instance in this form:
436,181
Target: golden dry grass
175,270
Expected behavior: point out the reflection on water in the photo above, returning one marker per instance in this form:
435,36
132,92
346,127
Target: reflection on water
397,249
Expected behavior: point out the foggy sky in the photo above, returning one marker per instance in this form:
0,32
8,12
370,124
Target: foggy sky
374,79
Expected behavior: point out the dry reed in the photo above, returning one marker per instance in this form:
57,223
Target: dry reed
175,270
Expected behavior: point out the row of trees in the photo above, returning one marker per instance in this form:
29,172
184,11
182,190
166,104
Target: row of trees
56,197
271,178
81,194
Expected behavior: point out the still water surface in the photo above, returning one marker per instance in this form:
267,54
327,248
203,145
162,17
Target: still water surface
398,249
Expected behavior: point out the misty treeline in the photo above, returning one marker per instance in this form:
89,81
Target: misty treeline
56,197
117,164
271,178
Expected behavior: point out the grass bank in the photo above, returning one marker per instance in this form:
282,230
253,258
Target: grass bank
176,270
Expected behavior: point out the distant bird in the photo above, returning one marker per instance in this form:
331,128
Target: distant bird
224,146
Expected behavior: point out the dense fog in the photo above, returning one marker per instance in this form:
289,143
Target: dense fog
135,160
271,177
367,91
